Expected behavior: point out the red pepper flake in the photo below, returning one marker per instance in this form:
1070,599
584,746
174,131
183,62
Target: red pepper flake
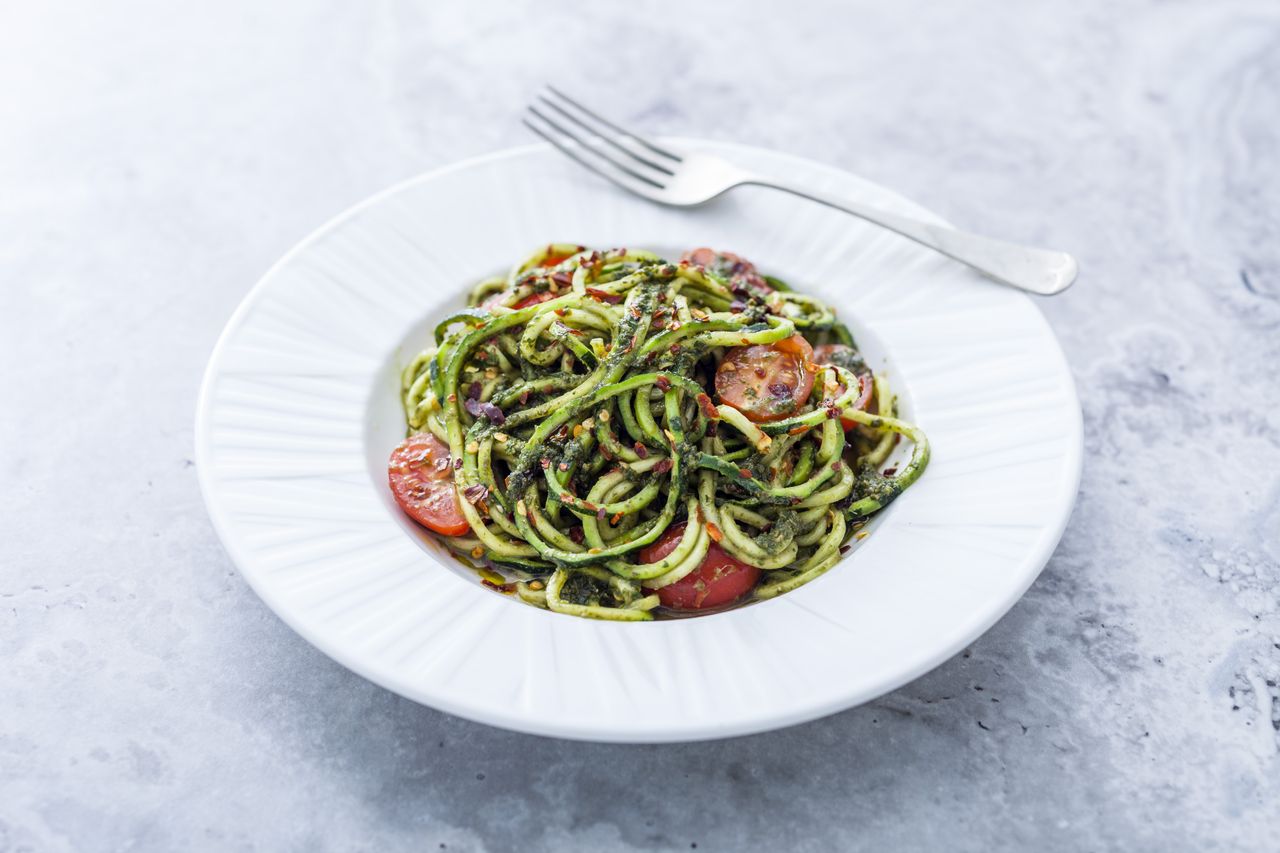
560,312
675,348
524,397
800,430
744,473
708,407
507,588
457,463
562,278
603,295
641,450
563,466
600,514
606,453
617,516
545,463
835,466
576,534
889,472
663,467
714,532
760,372
663,383
845,549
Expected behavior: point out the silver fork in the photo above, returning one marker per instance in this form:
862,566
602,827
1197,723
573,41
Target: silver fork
685,179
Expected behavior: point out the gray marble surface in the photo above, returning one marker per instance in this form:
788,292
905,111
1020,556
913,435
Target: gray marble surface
157,157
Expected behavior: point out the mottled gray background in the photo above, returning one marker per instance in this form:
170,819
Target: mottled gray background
156,158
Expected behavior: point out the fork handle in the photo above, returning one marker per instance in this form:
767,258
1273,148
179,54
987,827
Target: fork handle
1041,271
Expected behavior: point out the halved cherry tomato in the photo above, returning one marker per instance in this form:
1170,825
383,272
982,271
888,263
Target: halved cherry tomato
719,580
767,382
421,478
738,271
843,356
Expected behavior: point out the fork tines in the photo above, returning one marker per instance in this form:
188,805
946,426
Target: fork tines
598,143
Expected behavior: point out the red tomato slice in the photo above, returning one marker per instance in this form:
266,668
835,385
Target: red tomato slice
421,478
834,354
767,382
719,580
738,271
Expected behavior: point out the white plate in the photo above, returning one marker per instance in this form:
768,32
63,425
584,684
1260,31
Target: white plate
298,413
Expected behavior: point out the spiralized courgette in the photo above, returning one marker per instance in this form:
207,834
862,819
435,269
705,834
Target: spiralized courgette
577,398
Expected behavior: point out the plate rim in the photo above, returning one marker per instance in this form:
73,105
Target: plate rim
1031,564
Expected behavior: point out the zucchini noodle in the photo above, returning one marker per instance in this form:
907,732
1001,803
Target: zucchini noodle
578,399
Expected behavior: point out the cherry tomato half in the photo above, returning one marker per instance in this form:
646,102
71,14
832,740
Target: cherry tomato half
738,271
767,382
719,580
421,478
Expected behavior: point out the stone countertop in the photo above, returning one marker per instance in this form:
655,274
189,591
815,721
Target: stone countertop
156,158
